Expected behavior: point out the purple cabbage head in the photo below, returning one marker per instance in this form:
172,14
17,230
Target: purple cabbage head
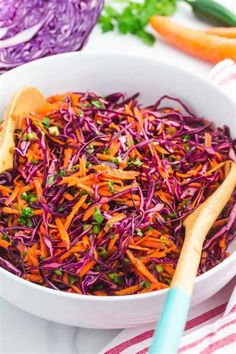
33,29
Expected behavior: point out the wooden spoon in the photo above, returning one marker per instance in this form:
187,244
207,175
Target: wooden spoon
25,101
197,225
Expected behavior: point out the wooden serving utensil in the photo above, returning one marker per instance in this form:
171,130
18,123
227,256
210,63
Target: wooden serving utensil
26,100
197,225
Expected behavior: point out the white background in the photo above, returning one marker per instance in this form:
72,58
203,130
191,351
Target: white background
22,333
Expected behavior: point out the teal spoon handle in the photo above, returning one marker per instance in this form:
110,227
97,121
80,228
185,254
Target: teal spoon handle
172,322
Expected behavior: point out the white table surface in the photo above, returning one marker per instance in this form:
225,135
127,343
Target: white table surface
22,333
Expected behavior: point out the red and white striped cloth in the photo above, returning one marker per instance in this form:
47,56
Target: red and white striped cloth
211,327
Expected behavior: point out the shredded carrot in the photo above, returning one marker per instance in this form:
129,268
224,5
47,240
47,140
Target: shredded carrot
112,242
86,268
68,196
82,164
113,220
89,212
7,210
35,278
75,209
4,243
67,157
38,187
208,140
5,190
141,267
128,291
13,196
62,232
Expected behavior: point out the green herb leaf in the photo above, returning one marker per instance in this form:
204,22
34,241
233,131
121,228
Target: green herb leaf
46,122
26,212
54,130
145,284
186,201
133,17
71,279
4,237
25,216
159,268
167,281
102,252
80,113
98,216
139,232
116,278
34,162
106,23
146,37
187,147
137,162
28,197
86,227
186,138
58,272
88,164
50,179
62,173
32,198
110,184
90,149
24,196
31,136
96,229
97,104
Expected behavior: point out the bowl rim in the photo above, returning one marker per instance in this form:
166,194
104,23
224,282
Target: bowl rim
108,298
94,298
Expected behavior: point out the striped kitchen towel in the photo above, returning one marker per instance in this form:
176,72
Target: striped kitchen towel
211,327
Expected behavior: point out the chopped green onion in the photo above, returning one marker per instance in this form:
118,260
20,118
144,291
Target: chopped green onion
137,162
90,149
54,131
86,227
139,232
46,122
71,279
97,104
145,284
159,268
96,229
51,179
110,184
98,216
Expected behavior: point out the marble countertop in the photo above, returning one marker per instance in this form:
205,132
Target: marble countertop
22,333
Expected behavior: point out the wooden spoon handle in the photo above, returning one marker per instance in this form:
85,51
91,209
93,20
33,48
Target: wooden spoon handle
197,225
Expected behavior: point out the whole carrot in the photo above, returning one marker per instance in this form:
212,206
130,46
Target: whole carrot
227,32
197,43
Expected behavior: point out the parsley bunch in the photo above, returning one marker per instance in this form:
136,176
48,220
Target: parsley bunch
134,16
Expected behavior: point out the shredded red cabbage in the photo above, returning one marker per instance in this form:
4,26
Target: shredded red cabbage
100,187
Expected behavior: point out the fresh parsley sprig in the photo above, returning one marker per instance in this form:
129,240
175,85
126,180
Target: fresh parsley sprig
133,16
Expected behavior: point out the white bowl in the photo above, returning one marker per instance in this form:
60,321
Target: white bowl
106,73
